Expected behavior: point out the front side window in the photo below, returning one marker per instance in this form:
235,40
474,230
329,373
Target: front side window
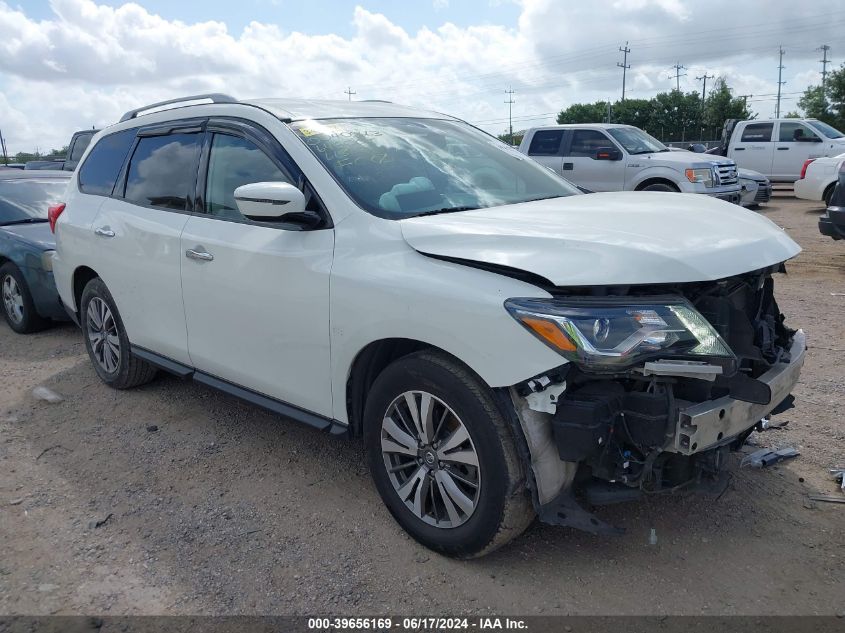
24,200
400,167
99,172
790,132
635,141
162,170
757,133
586,142
233,162
545,143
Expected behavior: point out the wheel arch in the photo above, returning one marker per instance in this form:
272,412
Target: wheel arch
370,361
827,192
81,276
656,180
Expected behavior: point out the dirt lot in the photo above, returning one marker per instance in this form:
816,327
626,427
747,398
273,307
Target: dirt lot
227,509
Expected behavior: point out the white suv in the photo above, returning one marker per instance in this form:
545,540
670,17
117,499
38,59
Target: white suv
498,339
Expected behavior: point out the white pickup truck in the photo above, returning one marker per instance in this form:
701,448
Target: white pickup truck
612,157
778,148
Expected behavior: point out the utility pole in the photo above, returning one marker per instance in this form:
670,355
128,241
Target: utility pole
825,61
624,66
780,83
678,68
510,103
703,78
349,92
3,146
745,99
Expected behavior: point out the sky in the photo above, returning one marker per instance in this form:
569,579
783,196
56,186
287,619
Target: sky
73,64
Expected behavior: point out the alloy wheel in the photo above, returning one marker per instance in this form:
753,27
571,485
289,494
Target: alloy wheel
12,299
430,459
102,333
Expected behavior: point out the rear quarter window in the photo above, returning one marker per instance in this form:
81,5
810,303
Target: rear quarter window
99,172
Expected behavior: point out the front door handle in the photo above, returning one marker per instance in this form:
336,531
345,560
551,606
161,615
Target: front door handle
104,231
780,149
200,255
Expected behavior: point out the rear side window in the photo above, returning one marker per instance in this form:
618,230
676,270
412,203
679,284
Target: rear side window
162,171
100,170
82,141
757,133
545,143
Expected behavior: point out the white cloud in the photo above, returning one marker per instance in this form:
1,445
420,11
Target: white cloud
88,63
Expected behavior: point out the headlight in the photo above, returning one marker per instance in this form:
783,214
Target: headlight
704,176
47,260
609,335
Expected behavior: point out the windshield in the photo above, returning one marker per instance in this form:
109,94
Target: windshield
27,199
635,141
397,168
825,129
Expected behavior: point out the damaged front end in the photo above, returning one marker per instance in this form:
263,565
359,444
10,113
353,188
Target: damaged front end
663,381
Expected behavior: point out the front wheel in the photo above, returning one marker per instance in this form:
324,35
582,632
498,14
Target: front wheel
443,457
106,340
660,186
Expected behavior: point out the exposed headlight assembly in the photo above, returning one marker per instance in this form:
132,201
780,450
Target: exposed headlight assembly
608,335
704,176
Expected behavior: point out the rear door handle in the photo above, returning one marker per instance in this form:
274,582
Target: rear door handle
104,231
200,255
739,149
782,148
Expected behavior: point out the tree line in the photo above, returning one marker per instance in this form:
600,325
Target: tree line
678,116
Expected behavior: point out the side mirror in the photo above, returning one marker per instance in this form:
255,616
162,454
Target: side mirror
698,148
607,153
269,201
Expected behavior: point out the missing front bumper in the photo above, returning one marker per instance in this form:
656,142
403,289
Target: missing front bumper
708,424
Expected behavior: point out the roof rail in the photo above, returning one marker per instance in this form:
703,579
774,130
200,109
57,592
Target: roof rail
374,101
214,97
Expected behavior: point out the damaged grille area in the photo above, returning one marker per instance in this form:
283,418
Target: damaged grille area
622,427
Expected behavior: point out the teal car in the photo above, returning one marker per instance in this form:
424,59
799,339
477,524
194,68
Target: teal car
29,296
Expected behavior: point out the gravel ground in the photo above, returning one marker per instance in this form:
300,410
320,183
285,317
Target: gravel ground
175,499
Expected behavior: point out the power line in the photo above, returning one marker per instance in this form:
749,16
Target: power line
780,83
624,65
825,61
678,68
349,92
510,103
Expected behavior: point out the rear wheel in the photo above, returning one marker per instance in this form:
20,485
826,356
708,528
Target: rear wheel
828,194
18,306
443,457
106,340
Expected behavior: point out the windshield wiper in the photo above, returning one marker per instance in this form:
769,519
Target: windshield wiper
26,221
557,195
444,210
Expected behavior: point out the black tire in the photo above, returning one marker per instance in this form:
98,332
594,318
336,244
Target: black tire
503,508
128,371
828,194
660,186
25,320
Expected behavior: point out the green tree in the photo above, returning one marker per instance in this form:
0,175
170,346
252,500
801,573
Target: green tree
792,115
720,106
835,89
584,113
813,103
675,116
634,112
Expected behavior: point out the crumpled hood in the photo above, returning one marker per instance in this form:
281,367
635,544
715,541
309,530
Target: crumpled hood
609,238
